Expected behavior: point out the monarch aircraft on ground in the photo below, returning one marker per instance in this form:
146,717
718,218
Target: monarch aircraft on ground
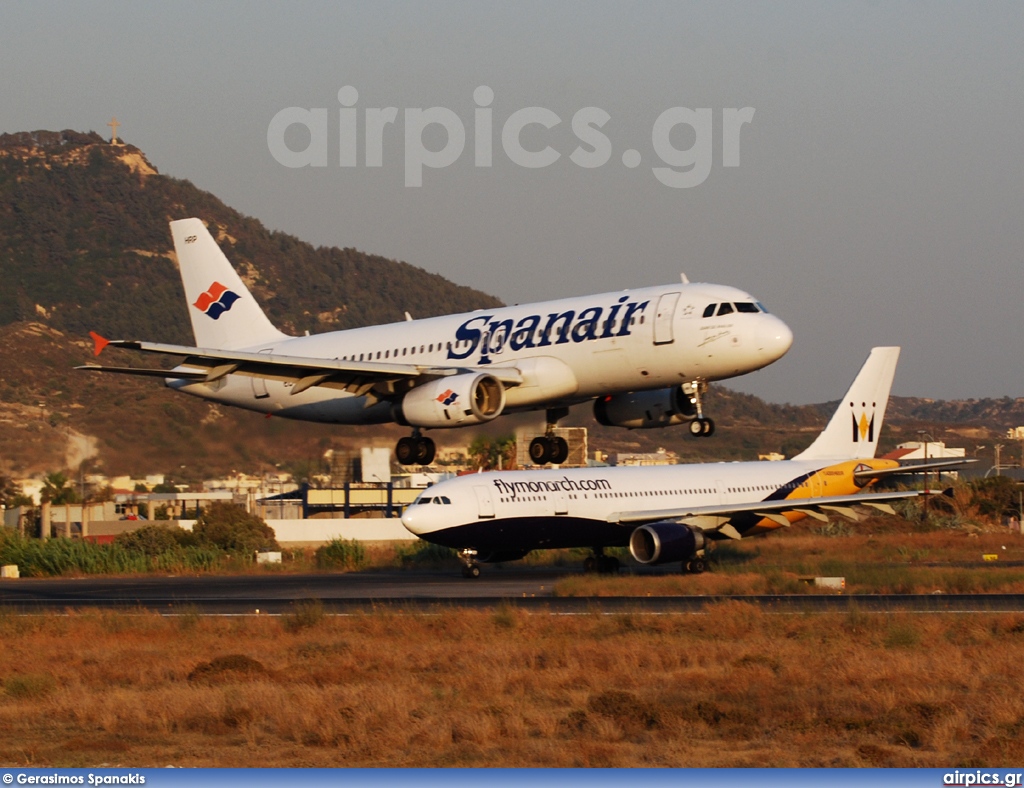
669,513
644,356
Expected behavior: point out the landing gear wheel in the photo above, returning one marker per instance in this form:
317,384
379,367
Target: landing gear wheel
695,566
608,565
559,450
426,450
702,428
541,451
471,572
406,450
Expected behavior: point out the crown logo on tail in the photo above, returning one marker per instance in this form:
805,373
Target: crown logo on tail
863,430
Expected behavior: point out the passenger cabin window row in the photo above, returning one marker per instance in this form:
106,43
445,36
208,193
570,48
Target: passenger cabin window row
711,310
546,334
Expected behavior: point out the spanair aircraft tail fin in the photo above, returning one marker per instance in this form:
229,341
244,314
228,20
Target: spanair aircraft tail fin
223,312
852,434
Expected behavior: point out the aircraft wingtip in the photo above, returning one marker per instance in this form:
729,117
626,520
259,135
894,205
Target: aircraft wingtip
98,343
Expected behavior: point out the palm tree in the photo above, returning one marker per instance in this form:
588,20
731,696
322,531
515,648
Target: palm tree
57,489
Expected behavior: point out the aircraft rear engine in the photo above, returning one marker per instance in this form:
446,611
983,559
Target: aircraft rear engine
664,543
454,401
645,409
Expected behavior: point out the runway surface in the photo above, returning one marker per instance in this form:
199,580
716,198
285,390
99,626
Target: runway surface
412,591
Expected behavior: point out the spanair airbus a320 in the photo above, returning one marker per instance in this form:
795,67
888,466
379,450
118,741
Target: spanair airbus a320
643,356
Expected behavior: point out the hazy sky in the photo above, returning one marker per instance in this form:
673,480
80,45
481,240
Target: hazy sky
878,197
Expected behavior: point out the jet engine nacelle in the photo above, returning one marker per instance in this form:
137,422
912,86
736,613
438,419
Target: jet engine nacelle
454,401
645,409
664,543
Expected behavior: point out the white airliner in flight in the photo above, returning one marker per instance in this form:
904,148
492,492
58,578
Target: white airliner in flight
644,356
670,513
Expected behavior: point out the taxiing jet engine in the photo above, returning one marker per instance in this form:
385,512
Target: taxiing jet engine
664,543
453,401
645,409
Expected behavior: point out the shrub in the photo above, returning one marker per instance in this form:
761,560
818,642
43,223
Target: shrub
341,554
152,540
29,687
425,553
305,615
234,530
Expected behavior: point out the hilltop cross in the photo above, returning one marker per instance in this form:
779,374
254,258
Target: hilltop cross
113,128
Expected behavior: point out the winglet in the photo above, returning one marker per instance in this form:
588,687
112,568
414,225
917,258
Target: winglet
98,343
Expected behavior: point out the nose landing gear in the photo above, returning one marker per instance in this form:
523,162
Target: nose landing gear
470,568
700,427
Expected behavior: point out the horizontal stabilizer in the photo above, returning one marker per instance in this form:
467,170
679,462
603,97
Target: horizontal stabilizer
912,468
836,503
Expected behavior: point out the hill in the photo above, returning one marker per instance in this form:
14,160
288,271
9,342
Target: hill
84,245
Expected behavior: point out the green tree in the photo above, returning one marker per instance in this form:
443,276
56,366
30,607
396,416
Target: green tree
57,489
231,528
11,493
490,453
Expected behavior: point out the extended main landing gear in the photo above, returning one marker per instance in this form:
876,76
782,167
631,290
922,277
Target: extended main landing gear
415,450
550,448
696,565
700,427
600,563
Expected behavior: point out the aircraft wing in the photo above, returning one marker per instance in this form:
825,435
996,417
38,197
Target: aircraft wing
208,365
770,509
921,467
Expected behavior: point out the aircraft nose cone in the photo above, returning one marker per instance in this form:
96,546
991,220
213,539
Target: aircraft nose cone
777,340
411,521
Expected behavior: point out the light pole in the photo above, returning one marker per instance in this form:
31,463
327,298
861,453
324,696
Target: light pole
928,438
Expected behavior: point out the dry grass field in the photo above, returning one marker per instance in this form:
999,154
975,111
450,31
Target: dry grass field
891,562
735,687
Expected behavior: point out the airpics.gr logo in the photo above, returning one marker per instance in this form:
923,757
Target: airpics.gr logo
447,397
216,300
864,429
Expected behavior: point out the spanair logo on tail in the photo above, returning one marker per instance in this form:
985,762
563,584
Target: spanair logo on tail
216,300
863,430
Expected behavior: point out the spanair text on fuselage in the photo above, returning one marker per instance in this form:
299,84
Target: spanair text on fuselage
567,351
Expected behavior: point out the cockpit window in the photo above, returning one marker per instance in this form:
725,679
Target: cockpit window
725,309
763,307
445,499
746,306
710,310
